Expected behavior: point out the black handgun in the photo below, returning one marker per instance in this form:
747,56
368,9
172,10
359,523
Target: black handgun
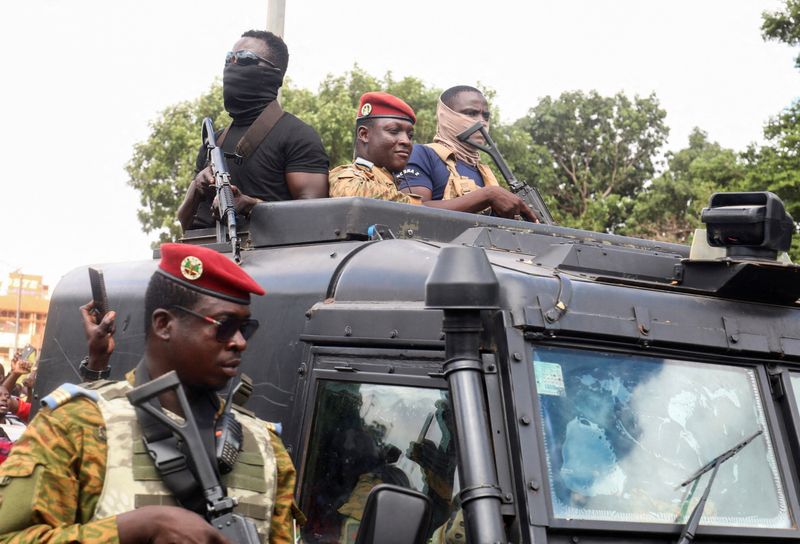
526,192
219,513
222,181
98,293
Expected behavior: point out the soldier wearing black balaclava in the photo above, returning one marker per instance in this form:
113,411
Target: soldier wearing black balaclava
289,162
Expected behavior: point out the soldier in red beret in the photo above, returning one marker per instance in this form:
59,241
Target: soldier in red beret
86,437
384,135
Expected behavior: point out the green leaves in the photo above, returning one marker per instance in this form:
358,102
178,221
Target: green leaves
783,26
162,167
598,147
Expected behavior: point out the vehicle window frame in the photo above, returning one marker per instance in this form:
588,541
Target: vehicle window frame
393,367
664,529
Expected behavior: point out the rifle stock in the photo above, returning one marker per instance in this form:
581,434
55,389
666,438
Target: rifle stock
526,192
222,181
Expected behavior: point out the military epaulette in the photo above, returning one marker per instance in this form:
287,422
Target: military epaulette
275,427
364,164
66,393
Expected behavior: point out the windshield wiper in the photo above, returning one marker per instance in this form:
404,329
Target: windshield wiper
687,535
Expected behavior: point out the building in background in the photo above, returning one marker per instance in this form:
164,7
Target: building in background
24,299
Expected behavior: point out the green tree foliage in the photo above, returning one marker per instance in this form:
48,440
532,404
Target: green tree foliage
669,208
783,25
163,165
775,166
601,151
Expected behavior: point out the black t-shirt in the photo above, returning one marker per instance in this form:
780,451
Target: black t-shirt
291,146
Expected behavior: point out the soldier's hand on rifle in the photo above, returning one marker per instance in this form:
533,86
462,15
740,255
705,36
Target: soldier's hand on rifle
166,525
507,204
243,203
99,336
203,182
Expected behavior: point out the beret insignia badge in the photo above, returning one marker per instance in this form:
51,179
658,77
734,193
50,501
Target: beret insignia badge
191,268
366,109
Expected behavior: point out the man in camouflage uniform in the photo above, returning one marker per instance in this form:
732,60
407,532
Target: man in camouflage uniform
384,132
80,473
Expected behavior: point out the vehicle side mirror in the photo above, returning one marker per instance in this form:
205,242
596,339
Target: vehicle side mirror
395,515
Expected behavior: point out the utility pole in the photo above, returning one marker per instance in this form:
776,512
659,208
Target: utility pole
276,16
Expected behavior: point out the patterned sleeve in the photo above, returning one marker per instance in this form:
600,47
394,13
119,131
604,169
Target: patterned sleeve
349,181
50,484
285,511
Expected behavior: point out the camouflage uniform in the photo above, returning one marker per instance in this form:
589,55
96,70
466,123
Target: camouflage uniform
50,485
362,178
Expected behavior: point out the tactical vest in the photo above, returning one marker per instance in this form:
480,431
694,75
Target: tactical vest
458,185
132,481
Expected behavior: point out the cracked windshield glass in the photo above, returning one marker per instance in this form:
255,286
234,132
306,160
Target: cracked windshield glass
622,433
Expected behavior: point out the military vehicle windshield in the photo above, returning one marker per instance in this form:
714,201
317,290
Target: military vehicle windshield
622,432
367,434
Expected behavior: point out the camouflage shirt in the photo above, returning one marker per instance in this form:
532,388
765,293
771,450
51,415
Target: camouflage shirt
51,482
361,178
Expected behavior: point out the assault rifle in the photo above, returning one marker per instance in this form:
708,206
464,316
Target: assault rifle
526,192
219,513
222,181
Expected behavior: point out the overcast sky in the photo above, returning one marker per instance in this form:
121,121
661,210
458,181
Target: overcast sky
82,79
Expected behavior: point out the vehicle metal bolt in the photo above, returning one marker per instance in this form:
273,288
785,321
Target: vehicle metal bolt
525,420
534,485
734,338
348,330
490,368
517,356
333,255
394,334
410,233
575,540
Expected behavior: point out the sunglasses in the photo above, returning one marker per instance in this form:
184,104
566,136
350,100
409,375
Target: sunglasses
227,326
244,57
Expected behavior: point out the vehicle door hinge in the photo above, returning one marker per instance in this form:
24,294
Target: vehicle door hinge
776,382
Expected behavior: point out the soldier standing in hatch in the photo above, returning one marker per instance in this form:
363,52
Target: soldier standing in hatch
384,142
449,170
281,157
79,474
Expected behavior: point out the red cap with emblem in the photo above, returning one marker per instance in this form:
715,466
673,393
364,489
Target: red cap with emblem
377,104
207,271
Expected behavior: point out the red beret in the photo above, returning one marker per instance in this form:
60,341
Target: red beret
376,104
207,271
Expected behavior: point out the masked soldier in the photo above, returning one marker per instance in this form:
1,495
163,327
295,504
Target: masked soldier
449,170
276,155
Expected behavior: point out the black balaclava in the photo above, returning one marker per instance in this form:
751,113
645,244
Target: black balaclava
247,90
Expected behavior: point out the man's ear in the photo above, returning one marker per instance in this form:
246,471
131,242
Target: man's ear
362,134
162,321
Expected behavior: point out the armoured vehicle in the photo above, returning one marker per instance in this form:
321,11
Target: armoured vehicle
553,385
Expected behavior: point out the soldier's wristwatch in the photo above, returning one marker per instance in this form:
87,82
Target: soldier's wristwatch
92,375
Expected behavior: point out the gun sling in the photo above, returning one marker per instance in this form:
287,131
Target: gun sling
256,133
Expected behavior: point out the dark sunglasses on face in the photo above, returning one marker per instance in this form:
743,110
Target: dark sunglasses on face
244,57
227,326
